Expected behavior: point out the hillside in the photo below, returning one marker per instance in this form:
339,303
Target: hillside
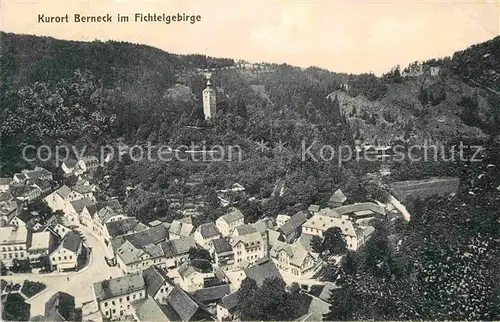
96,93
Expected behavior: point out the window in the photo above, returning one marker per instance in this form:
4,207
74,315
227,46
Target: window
65,257
53,259
4,255
71,257
128,298
105,304
59,257
112,302
120,300
114,310
134,296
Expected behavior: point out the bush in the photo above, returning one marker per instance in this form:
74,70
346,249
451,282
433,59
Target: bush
15,309
369,85
31,288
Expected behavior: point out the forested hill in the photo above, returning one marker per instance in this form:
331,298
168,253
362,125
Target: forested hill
54,91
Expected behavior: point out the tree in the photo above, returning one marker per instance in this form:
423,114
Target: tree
334,242
199,253
246,294
349,263
341,305
317,244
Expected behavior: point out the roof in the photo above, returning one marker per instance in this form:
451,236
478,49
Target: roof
106,213
80,204
324,222
186,270
338,197
123,226
71,241
155,278
118,286
113,204
294,223
208,230
359,207
92,209
40,240
63,192
272,236
180,228
263,270
313,208
177,247
244,230
233,216
230,301
248,239
13,235
70,163
213,293
25,216
305,241
297,254
148,310
152,235
21,190
222,245
60,307
128,253
83,189
183,305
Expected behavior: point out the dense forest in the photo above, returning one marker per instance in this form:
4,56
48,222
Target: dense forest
443,264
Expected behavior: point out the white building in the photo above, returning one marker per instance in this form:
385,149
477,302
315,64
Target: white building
66,254
13,244
114,296
228,222
42,244
206,233
209,101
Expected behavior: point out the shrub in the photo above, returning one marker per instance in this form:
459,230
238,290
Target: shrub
31,288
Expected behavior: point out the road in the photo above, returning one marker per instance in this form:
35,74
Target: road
79,284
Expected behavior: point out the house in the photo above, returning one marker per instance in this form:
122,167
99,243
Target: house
248,248
87,214
58,199
13,243
191,279
87,191
57,228
88,164
25,194
8,208
262,270
158,284
319,223
37,173
74,208
44,186
187,308
226,223
206,233
25,218
337,199
65,256
291,229
147,310
179,229
294,259
103,216
132,259
114,296
71,166
226,308
5,184
281,219
42,244
213,294
177,251
150,236
60,307
124,226
222,253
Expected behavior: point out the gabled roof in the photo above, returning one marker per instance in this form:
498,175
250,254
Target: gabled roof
183,305
296,252
60,307
338,197
230,301
244,230
211,294
124,226
232,216
186,270
148,310
324,222
208,230
118,286
71,241
63,192
180,228
83,189
222,245
152,235
70,163
263,270
79,204
294,223
155,277
177,247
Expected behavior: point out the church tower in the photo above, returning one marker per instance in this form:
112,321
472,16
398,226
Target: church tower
209,102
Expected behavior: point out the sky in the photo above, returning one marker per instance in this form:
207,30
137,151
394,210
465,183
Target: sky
342,36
